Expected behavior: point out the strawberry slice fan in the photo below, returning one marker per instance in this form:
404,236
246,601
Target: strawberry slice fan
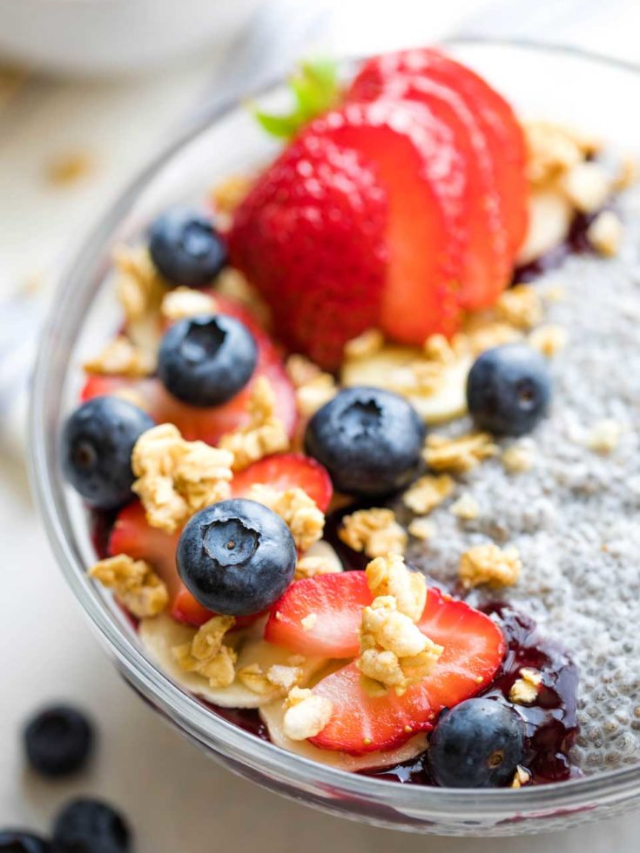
210,424
473,652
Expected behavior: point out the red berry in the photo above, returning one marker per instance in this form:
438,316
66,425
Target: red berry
287,471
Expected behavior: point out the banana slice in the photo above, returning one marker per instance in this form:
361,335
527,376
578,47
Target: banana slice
272,716
550,216
386,368
161,634
327,552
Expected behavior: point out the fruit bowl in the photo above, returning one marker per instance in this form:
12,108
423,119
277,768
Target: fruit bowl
85,312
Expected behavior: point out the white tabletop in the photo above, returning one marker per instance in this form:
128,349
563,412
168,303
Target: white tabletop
178,800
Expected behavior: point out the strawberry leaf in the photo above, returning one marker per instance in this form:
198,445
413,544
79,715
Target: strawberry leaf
315,88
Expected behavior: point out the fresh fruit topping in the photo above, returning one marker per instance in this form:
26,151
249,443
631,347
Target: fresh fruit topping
365,720
16,841
287,471
509,389
186,248
186,609
477,744
133,535
91,826
210,425
321,615
424,175
58,741
398,369
96,450
497,121
206,360
236,557
310,236
368,439
316,89
487,265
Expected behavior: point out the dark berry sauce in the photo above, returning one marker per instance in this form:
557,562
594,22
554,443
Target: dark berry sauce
576,243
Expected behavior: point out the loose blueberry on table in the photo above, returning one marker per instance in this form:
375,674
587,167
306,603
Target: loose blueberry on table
375,348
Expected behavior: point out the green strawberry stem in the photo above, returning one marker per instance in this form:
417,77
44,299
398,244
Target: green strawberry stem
316,89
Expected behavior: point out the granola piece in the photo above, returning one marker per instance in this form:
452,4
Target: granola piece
177,478
605,233
490,565
298,511
555,149
466,507
183,302
428,492
483,336
604,436
521,777
628,173
393,650
437,348
422,528
374,532
315,394
549,339
525,690
365,345
134,582
278,676
587,186
228,193
389,576
139,286
458,455
306,714
301,369
520,306
309,567
518,458
207,655
263,435
120,357
70,168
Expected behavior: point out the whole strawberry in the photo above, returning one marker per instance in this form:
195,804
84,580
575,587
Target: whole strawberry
311,237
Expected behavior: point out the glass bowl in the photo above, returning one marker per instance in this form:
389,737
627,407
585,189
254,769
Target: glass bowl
584,90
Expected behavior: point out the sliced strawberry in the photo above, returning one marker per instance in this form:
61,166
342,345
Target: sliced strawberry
186,609
495,116
333,606
210,424
473,651
424,173
287,471
132,535
487,269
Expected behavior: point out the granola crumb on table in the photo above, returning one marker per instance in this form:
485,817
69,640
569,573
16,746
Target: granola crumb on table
490,565
306,714
374,532
298,511
263,435
134,582
177,478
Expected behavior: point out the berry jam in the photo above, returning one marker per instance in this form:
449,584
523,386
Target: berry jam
576,243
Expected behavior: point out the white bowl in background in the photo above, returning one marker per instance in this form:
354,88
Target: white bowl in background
113,36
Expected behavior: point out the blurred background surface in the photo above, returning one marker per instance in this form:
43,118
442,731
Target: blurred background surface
89,89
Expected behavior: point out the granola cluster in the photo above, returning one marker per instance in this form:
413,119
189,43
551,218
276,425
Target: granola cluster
375,532
263,435
458,455
184,302
306,714
428,492
490,565
298,511
121,357
524,691
207,655
139,286
520,307
313,386
135,583
394,653
177,478
279,678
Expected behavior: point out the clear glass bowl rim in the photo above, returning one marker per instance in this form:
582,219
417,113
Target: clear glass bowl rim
437,804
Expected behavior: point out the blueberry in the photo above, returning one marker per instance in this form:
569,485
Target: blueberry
186,248
369,440
91,826
96,446
58,741
17,841
509,389
207,360
236,557
477,744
